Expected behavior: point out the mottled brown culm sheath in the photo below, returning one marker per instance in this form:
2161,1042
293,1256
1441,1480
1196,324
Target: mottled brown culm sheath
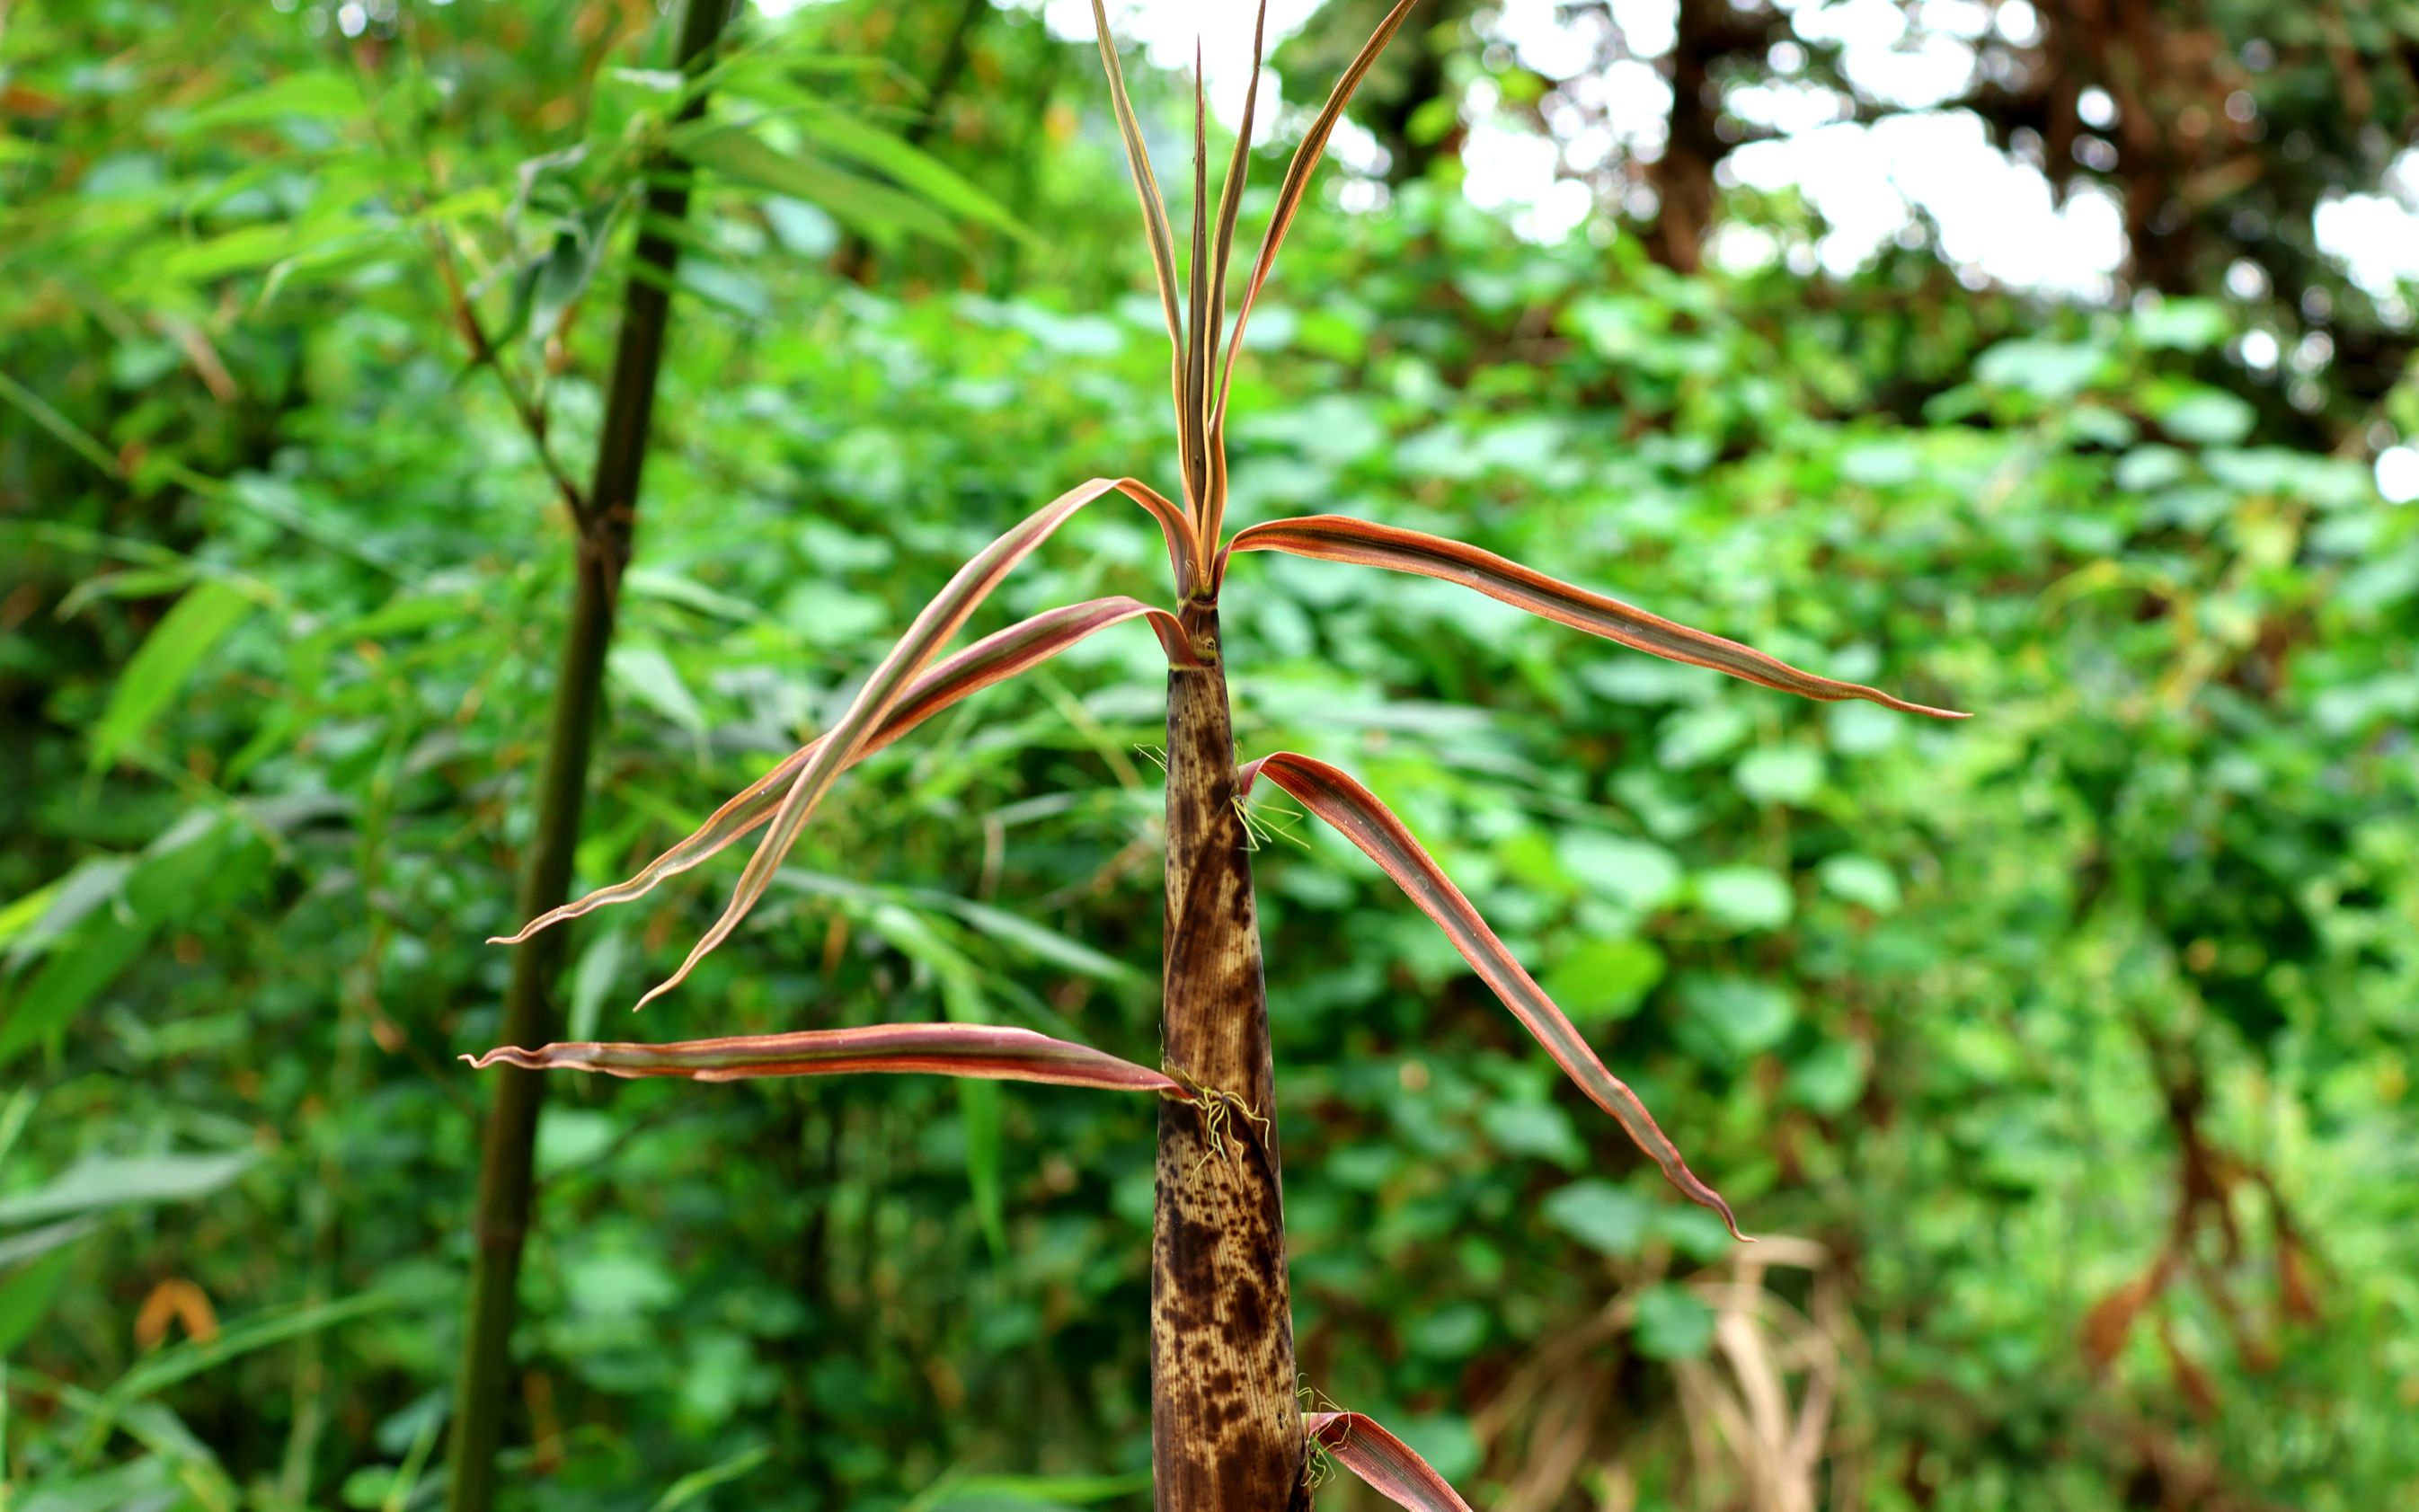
1225,1424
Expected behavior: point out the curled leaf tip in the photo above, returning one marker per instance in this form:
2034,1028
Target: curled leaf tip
511,1054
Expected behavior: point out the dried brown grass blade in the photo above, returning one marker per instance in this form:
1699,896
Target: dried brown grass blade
1363,543
993,659
983,1051
882,692
1357,814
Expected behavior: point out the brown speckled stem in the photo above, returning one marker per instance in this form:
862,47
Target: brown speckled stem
1227,1429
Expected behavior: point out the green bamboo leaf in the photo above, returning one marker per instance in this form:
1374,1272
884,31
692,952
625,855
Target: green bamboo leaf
645,673
234,251
87,939
910,167
103,1182
318,95
66,432
1362,543
181,1362
875,209
698,1482
1357,814
188,633
26,1295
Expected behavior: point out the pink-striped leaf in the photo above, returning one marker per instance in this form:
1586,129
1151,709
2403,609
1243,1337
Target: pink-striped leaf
1355,812
1154,205
1339,538
1383,1462
994,658
883,692
1297,184
983,1051
1230,204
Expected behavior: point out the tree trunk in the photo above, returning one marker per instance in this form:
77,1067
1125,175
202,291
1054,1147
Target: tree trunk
604,551
1683,176
1227,1432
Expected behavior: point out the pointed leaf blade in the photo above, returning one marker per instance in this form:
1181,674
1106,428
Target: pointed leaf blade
1356,814
1230,193
169,655
993,659
1298,176
1212,402
1192,407
1383,1462
1154,206
1363,543
882,691
986,1052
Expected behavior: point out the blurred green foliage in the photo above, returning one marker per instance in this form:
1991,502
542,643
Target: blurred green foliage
2063,1055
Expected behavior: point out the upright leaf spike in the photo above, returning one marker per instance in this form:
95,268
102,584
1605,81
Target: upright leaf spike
1192,414
1154,206
1297,180
1221,254
1230,193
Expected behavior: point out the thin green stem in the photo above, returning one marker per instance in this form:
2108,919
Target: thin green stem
504,1199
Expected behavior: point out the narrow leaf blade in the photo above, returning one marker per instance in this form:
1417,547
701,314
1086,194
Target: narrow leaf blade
993,659
1363,543
1193,406
883,692
866,205
193,627
1298,176
1154,206
1383,1462
988,1052
1221,254
1356,814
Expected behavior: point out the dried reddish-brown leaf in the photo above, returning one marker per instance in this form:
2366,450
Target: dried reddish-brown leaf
984,1051
1383,1462
2109,1323
1154,205
1297,185
1338,538
994,658
882,692
1338,798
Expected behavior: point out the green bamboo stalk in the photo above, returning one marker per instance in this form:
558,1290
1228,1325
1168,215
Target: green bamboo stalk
503,1212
